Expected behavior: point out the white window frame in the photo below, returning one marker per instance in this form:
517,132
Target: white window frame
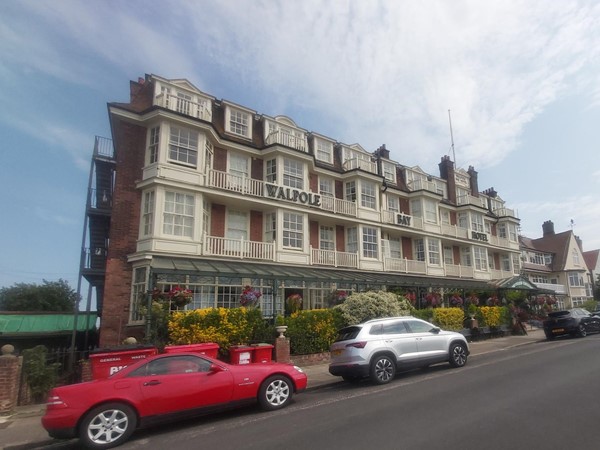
326,187
466,257
350,191
293,173
293,230
154,145
419,248
433,251
178,214
480,258
326,238
370,242
448,255
148,213
183,146
430,211
368,195
271,171
352,240
477,222
323,150
238,122
389,171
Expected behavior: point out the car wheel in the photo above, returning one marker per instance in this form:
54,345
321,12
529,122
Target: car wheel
581,331
107,426
550,337
458,355
383,369
275,393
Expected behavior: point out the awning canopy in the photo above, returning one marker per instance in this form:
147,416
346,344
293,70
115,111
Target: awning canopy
51,324
282,272
518,283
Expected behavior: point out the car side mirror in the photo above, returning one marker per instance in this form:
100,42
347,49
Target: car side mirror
215,368
435,330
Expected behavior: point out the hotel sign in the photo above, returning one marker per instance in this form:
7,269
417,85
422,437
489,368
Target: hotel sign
477,236
293,195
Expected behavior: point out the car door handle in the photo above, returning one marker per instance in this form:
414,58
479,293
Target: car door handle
151,383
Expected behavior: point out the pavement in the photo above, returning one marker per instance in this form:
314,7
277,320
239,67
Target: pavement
23,429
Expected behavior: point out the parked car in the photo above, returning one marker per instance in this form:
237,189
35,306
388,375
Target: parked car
378,348
576,322
104,413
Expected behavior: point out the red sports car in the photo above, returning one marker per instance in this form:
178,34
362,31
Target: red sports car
104,413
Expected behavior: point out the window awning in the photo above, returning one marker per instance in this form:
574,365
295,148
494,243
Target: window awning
51,324
282,272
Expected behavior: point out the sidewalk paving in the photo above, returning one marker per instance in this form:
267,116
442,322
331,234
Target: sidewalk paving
23,430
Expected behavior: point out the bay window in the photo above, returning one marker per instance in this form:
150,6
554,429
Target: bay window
183,146
370,247
178,215
293,234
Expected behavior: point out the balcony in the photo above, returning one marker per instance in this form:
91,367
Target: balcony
339,206
556,288
287,140
333,258
404,265
471,200
235,183
422,185
454,231
199,110
505,212
238,248
459,271
358,163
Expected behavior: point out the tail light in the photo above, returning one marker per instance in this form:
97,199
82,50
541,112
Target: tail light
55,402
357,344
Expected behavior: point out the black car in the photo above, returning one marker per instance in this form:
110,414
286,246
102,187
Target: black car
576,322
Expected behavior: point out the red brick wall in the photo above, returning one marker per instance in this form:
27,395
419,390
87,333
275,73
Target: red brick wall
256,226
314,234
10,376
340,238
130,144
257,169
339,189
217,220
456,251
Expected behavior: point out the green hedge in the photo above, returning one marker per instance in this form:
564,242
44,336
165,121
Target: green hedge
312,331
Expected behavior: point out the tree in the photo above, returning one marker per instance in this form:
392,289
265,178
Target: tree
49,296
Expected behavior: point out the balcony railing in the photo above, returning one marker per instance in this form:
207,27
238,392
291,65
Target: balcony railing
505,212
333,258
419,185
454,231
287,139
99,198
94,258
338,206
236,183
471,200
200,110
457,270
103,147
557,288
238,248
404,265
357,163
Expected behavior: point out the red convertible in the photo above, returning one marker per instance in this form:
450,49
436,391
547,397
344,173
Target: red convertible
104,413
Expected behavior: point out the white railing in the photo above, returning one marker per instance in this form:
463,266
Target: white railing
287,139
456,270
501,242
505,212
499,274
201,110
338,206
333,258
453,230
235,183
357,163
238,248
404,265
557,288
419,184
471,200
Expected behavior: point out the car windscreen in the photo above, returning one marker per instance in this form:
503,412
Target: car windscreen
348,333
558,313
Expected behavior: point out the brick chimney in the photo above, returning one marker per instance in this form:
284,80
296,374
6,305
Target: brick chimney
447,173
474,182
548,228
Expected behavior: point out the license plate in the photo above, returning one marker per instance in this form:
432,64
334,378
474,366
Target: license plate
558,330
337,352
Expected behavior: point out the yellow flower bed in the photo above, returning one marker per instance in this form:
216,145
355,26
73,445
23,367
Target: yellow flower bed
491,316
449,318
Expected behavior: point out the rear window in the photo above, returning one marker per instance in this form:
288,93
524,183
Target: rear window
558,313
348,333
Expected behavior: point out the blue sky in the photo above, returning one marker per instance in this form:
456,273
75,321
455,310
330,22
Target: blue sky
522,80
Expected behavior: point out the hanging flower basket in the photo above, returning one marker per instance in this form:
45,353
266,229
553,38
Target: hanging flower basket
456,301
180,296
249,297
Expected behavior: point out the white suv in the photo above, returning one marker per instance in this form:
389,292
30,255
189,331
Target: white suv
380,347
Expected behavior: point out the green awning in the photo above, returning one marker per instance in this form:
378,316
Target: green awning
22,324
518,283
282,272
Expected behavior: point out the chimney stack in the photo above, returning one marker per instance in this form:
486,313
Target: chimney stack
548,228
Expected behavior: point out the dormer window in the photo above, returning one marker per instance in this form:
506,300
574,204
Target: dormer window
389,171
238,122
323,150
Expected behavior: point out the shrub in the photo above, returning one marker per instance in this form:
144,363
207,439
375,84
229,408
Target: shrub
40,376
491,316
363,306
225,326
424,314
449,318
312,331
